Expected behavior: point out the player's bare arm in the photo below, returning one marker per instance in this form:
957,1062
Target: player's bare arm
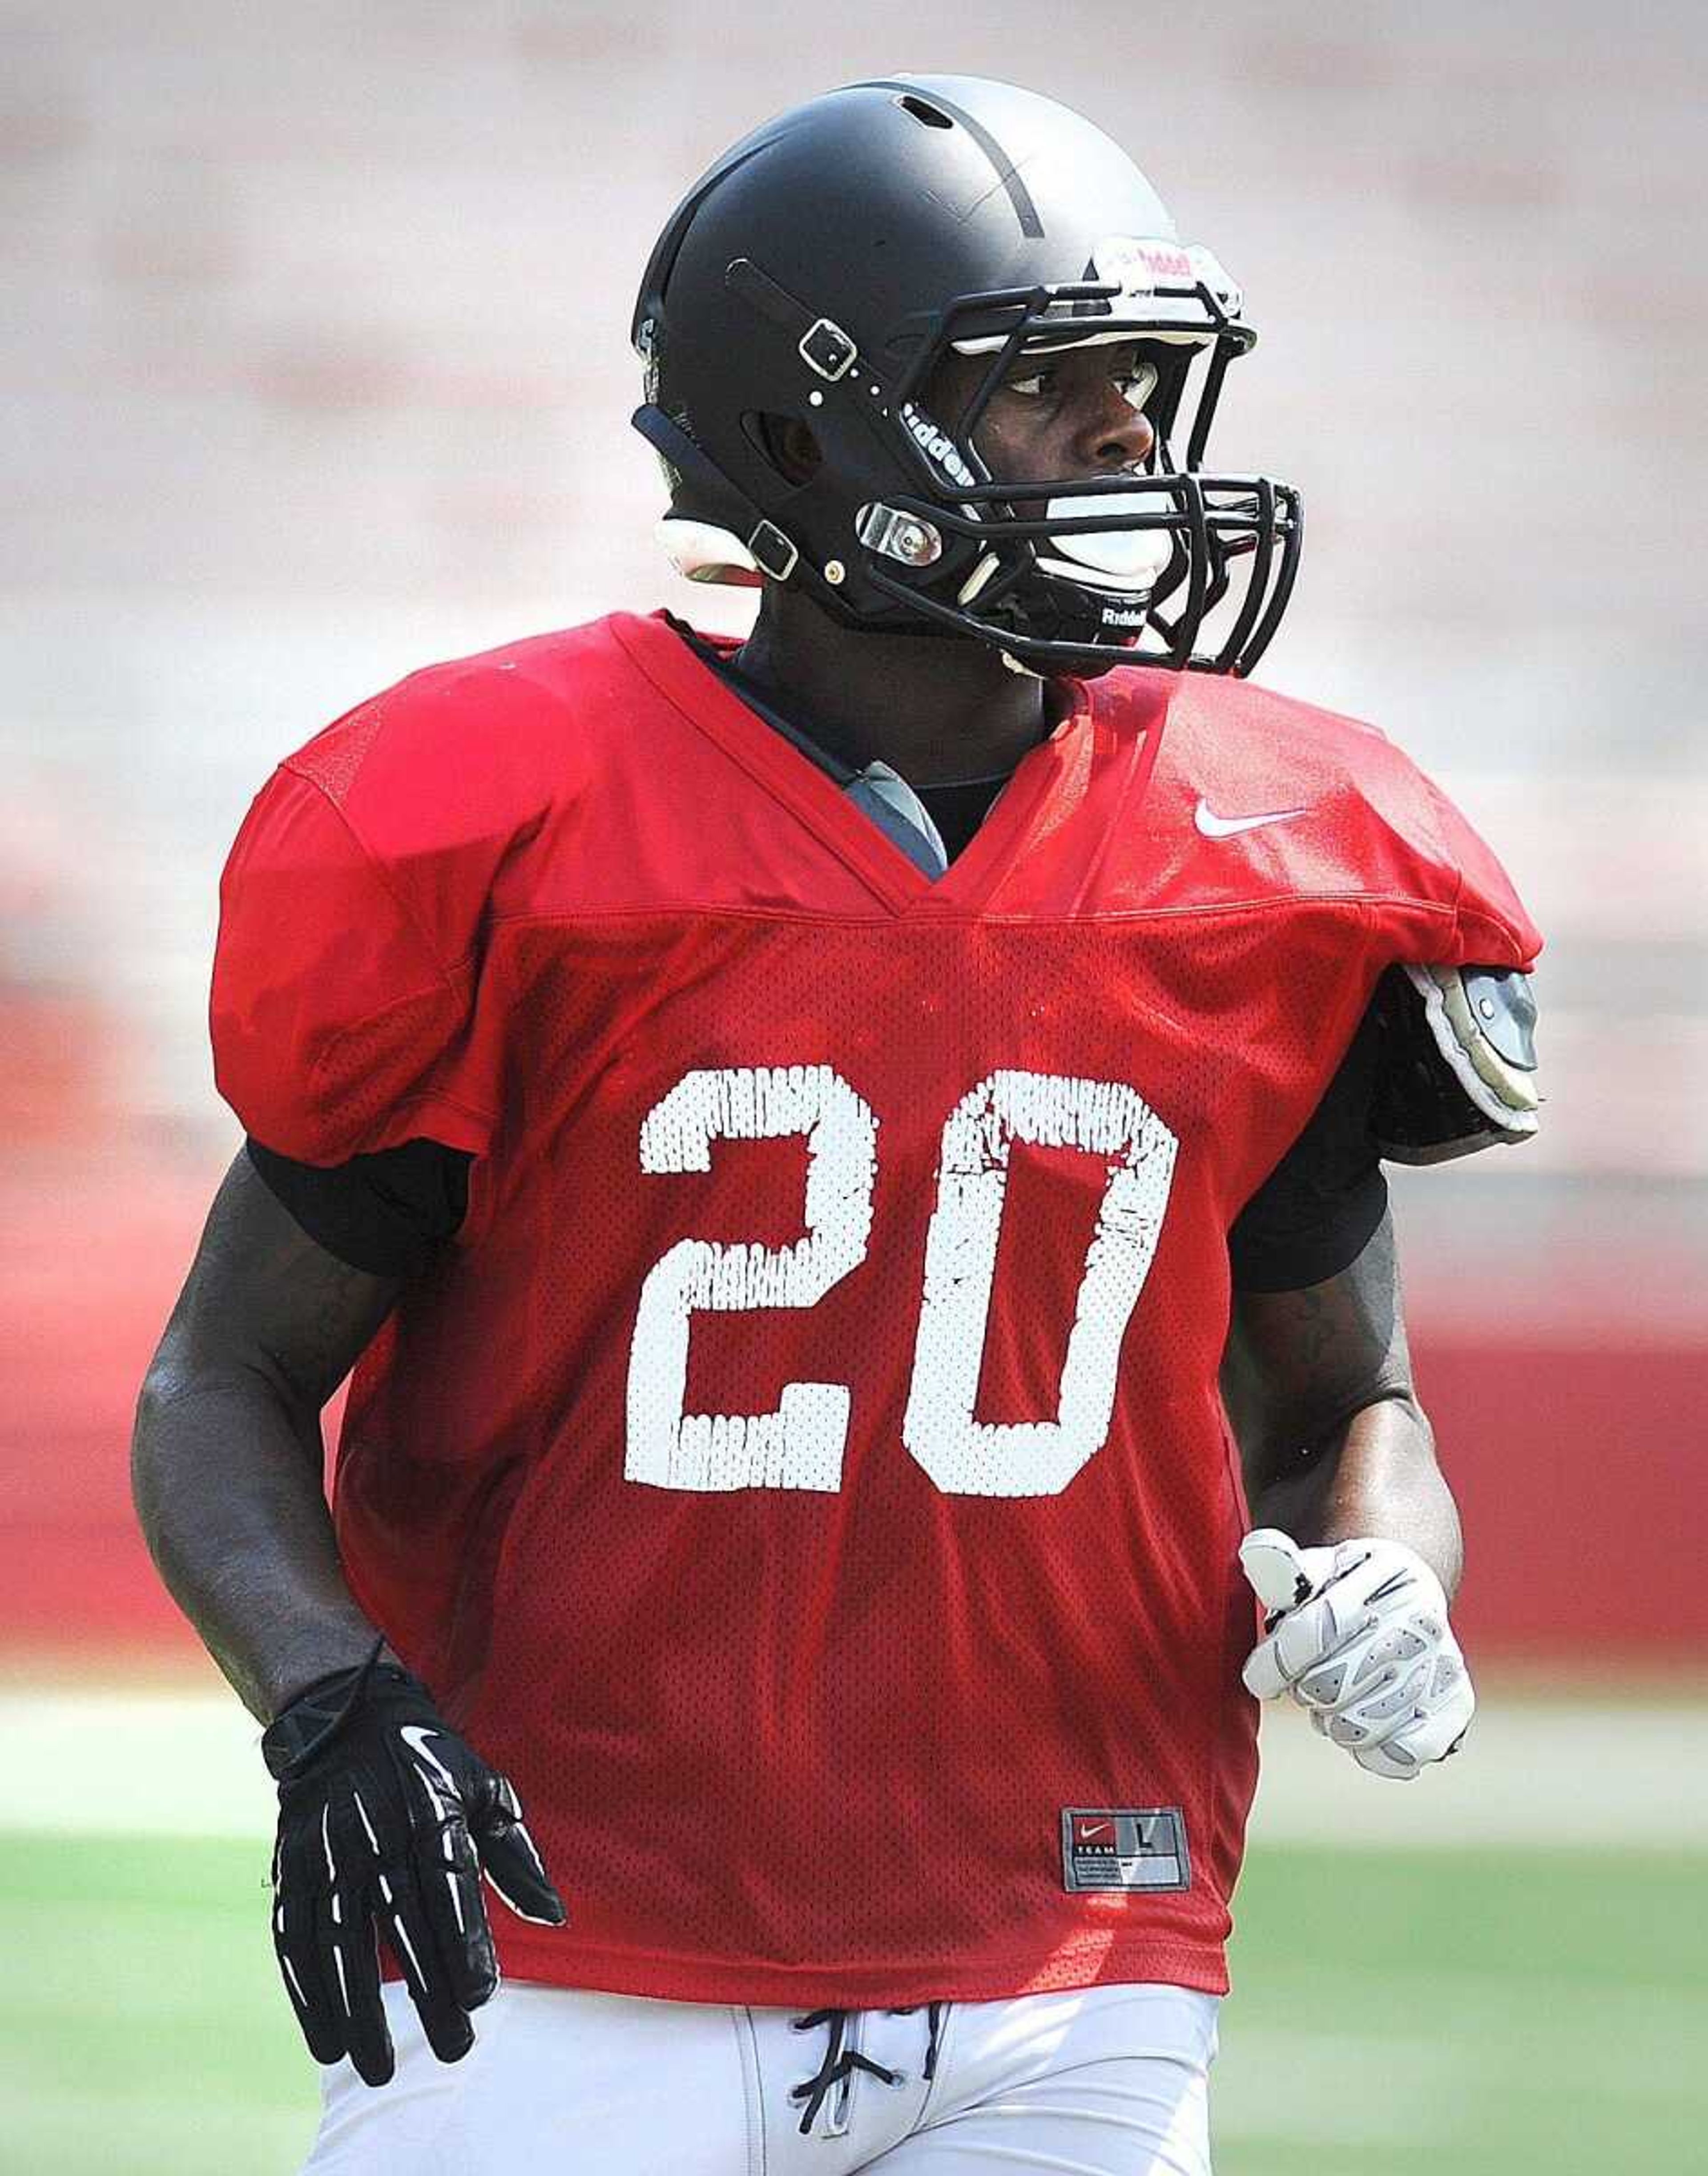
227,1459
1355,1547
388,1819
1334,1444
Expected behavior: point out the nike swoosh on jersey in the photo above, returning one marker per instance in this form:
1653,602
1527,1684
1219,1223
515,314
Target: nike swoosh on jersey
1229,827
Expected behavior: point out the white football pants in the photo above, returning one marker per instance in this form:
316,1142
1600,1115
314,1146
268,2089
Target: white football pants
1101,2081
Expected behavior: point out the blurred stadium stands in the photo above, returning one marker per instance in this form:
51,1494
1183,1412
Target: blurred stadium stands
314,366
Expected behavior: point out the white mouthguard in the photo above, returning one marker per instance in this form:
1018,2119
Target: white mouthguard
1131,560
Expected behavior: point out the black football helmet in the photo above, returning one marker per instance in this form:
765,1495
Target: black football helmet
821,271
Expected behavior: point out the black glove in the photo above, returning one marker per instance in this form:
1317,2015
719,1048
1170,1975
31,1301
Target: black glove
387,1821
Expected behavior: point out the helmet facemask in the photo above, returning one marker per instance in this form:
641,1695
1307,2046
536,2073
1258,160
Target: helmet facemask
1074,573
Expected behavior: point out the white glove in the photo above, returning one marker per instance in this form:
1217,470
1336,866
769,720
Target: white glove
1359,1634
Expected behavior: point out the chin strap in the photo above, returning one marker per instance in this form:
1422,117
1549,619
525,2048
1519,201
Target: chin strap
735,535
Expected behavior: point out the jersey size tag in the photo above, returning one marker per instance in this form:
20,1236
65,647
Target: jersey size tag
1124,1847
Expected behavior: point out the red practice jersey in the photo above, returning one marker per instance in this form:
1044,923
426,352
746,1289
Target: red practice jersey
804,1473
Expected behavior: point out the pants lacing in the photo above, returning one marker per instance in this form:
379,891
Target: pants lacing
841,2061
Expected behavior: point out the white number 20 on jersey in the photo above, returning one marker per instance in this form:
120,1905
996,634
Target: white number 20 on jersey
800,1444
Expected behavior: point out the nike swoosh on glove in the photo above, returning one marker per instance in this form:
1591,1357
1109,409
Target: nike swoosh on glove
1359,1634
387,1821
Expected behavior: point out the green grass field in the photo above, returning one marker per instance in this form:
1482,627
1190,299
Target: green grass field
1452,2013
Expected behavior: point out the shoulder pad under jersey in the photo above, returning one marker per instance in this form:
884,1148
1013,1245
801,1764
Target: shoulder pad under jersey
1459,1068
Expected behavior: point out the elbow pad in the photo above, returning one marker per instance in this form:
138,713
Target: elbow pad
1459,1067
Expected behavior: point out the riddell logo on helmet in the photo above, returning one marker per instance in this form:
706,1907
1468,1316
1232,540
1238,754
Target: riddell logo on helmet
1136,266
1120,616
937,444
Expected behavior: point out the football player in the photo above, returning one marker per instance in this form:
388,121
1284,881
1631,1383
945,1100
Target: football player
808,1143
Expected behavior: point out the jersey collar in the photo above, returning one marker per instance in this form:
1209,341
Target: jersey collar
1027,806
